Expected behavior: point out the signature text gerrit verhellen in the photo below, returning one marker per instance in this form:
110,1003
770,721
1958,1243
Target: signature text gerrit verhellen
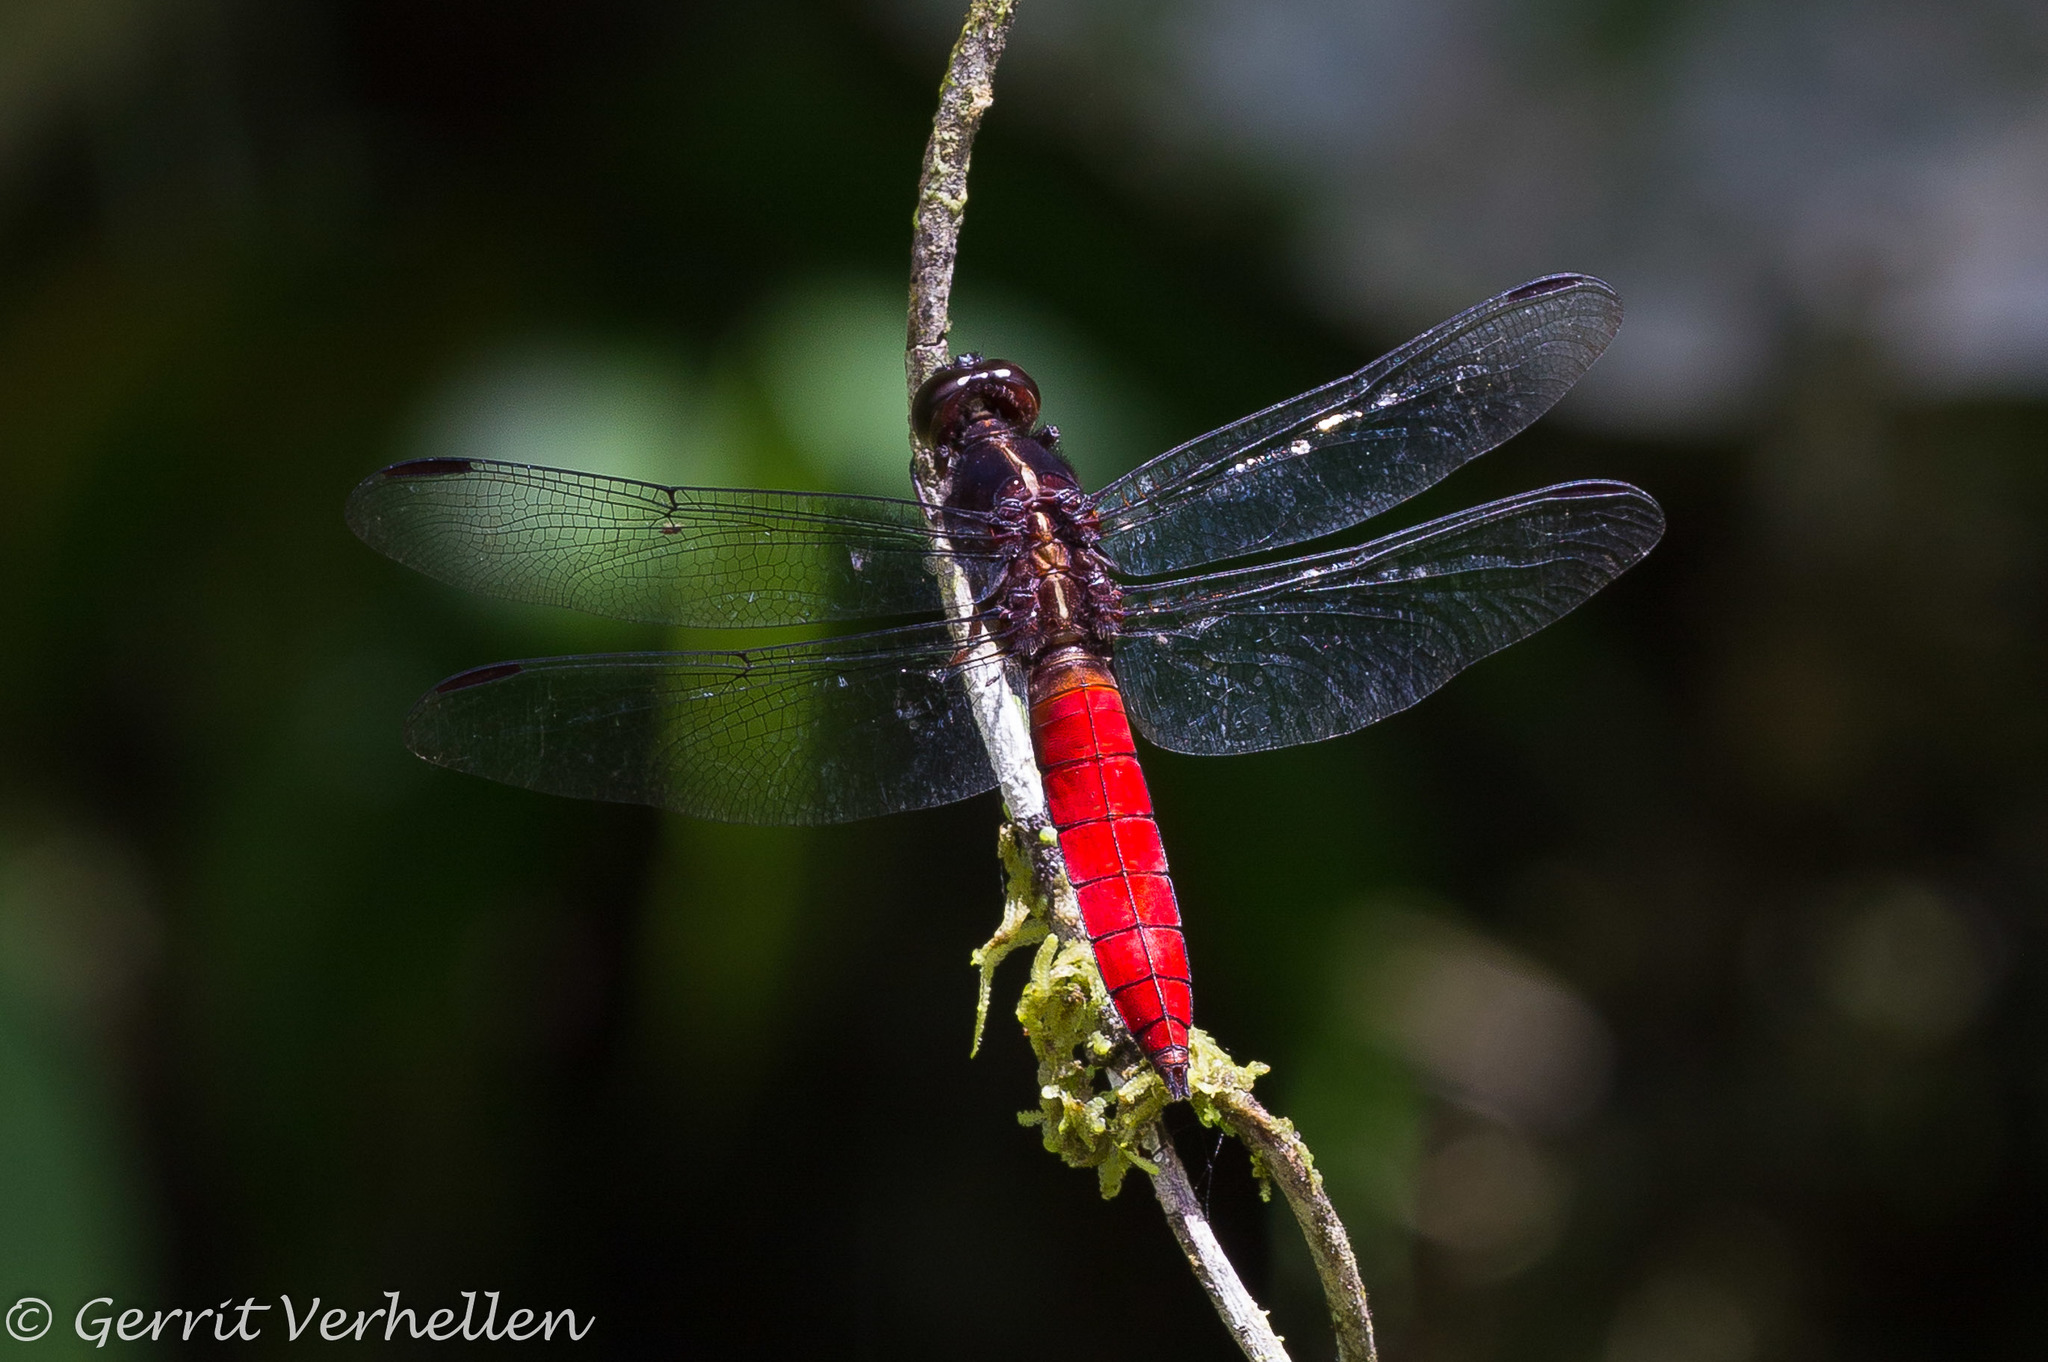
97,1321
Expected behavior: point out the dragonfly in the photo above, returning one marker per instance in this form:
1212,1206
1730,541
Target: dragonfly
1158,606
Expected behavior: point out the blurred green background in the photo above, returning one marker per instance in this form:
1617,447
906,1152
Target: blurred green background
1668,989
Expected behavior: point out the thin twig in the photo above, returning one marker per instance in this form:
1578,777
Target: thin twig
964,96
1003,717
1286,1160
1241,1314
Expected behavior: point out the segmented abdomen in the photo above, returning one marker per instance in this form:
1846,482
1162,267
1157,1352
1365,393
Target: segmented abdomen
1099,802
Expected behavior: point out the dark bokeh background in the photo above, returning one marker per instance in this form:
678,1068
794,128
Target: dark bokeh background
1669,989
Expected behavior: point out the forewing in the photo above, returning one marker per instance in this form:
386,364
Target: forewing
1346,451
799,734
642,551
1319,646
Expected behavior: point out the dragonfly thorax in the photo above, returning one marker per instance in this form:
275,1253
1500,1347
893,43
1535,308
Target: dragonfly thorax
1010,495
1055,590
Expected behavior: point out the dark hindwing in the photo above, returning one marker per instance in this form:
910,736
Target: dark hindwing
799,734
1316,647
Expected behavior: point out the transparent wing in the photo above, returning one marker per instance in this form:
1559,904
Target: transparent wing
1319,646
1346,451
641,551
796,734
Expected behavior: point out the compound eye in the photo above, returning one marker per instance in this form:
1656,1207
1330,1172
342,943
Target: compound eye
969,387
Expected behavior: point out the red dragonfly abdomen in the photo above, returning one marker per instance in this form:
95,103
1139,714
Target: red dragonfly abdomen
1103,811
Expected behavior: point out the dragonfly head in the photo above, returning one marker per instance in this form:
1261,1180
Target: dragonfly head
969,389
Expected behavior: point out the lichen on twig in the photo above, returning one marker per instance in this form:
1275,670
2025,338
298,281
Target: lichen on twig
1098,1098
1020,927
